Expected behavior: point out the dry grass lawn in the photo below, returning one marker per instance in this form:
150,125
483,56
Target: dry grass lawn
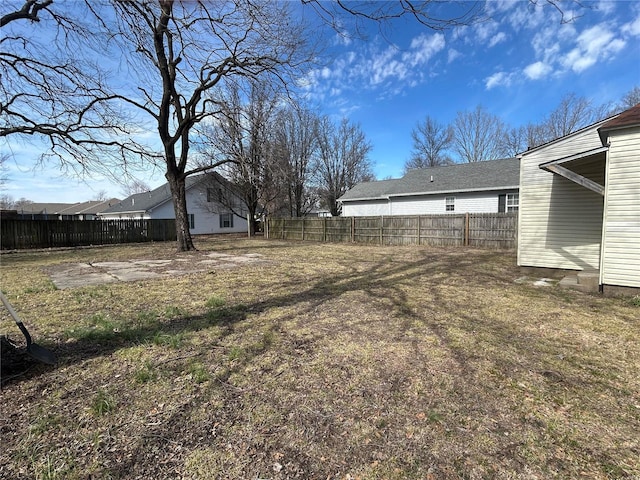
325,362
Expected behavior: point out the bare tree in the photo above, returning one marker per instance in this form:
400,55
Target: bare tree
29,10
171,54
342,161
135,186
515,140
478,136
337,14
3,169
573,113
430,141
630,99
100,196
22,203
6,202
53,88
179,51
242,140
296,131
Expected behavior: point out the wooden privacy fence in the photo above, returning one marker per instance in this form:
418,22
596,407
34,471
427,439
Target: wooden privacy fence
18,234
486,230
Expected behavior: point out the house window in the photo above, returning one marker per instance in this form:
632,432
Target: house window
226,220
450,204
210,195
513,202
192,221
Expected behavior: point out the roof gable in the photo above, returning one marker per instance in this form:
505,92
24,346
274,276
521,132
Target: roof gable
627,119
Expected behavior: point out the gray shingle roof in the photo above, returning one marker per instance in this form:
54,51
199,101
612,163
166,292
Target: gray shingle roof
89,207
460,177
141,202
144,202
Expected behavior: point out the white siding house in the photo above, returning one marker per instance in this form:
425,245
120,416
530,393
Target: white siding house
580,202
207,215
481,187
621,232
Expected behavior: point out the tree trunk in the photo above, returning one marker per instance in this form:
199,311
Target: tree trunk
178,195
252,222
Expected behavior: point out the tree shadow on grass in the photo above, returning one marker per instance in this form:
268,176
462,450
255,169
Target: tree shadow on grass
382,277
445,316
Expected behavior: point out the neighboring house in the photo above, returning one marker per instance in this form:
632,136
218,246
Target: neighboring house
318,212
580,202
64,211
480,187
205,194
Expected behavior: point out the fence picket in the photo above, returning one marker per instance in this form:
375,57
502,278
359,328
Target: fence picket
21,234
488,230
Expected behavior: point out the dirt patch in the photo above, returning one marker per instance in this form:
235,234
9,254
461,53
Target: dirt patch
73,275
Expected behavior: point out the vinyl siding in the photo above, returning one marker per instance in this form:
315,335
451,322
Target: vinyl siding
481,202
560,222
473,202
206,214
621,251
370,208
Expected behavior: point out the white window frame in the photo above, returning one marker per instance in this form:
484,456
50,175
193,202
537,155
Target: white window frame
449,204
512,202
226,220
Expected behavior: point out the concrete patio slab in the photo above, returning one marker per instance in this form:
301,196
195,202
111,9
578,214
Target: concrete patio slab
77,275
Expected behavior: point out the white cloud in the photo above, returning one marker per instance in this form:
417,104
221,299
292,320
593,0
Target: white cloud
607,7
498,79
383,65
500,6
343,38
498,38
537,70
423,48
485,30
528,16
452,55
633,27
547,41
594,44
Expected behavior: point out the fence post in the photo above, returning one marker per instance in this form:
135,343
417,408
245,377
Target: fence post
381,229
303,229
419,228
324,229
353,229
284,220
466,229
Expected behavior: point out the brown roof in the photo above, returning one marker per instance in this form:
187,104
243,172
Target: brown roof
628,118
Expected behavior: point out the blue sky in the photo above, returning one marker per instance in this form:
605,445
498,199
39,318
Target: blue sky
518,64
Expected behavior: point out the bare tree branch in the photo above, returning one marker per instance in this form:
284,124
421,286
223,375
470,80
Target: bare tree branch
29,11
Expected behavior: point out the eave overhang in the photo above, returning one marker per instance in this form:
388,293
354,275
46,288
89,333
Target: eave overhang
558,167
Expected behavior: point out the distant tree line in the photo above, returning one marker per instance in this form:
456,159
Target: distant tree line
478,135
285,159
